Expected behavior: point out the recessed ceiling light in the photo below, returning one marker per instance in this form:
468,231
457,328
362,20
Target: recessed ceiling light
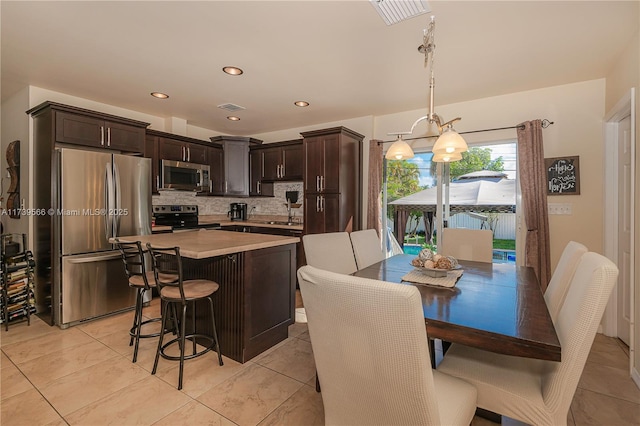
233,118
159,95
301,103
232,70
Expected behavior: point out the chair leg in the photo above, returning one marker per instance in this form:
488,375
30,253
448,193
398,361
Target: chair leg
317,382
138,320
164,323
215,333
176,322
193,326
432,352
182,338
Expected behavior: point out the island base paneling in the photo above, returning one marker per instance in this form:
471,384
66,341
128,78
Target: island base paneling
255,303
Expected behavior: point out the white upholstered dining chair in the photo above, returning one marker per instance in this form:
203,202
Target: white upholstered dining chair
331,251
369,342
367,248
558,286
467,244
534,391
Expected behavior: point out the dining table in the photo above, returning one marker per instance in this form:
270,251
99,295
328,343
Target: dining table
498,307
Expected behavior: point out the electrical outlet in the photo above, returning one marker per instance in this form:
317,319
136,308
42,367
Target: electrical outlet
560,208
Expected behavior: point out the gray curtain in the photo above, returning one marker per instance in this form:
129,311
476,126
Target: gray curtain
534,199
374,203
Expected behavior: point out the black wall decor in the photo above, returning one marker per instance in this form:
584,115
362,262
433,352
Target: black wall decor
563,175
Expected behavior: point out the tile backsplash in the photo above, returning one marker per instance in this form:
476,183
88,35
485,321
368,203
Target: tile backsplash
273,206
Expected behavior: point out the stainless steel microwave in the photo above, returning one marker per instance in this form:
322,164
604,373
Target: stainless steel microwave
180,175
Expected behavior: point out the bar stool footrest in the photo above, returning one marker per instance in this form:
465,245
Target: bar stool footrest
132,331
188,337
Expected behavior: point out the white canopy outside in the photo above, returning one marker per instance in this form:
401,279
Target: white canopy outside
472,195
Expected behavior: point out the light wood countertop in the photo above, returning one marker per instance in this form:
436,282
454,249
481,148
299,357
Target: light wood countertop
200,244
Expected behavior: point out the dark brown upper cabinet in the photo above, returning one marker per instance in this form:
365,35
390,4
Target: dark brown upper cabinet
179,150
282,161
257,186
215,154
94,129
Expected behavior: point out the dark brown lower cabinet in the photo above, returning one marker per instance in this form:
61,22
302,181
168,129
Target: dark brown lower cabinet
255,303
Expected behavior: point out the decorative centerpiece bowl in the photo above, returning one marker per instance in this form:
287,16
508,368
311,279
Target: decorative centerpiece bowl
434,264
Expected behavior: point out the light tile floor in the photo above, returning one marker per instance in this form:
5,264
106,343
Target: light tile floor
84,376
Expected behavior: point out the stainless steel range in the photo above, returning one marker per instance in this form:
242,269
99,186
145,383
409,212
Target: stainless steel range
180,217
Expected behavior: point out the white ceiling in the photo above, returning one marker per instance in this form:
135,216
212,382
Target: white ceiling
338,55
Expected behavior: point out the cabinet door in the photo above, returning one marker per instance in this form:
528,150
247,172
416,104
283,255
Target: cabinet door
330,206
169,149
124,137
255,171
216,164
313,163
331,167
196,153
292,162
313,216
80,130
272,162
236,168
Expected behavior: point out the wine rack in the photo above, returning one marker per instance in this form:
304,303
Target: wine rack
17,299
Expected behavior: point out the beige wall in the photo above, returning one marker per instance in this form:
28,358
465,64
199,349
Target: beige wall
15,126
577,110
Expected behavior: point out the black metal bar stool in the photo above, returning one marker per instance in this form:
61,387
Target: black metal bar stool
143,281
179,294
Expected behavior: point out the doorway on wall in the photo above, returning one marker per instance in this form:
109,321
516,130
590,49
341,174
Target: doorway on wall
620,146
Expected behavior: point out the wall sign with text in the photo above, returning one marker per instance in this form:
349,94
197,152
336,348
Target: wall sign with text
563,175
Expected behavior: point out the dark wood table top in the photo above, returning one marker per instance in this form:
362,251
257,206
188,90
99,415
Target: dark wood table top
498,307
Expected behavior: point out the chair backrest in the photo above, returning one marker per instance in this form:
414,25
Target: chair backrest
367,248
167,264
577,324
467,244
370,347
133,259
559,284
331,251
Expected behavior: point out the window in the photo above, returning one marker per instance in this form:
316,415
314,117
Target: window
481,194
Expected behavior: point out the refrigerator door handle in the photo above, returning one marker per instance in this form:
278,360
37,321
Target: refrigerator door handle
109,198
118,201
91,259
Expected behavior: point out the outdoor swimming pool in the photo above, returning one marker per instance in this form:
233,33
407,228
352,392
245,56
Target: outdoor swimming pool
499,256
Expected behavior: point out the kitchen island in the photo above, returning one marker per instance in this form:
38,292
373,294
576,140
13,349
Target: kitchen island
257,275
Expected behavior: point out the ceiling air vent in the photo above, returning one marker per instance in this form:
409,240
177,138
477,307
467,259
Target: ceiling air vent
231,107
394,11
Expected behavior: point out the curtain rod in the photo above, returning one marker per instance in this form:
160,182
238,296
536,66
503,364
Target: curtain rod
545,123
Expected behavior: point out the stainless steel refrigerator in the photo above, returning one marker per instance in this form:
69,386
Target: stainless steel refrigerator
99,196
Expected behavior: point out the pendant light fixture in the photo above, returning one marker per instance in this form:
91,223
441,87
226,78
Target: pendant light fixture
450,145
399,150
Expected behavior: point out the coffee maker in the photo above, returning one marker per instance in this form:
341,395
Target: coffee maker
237,211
